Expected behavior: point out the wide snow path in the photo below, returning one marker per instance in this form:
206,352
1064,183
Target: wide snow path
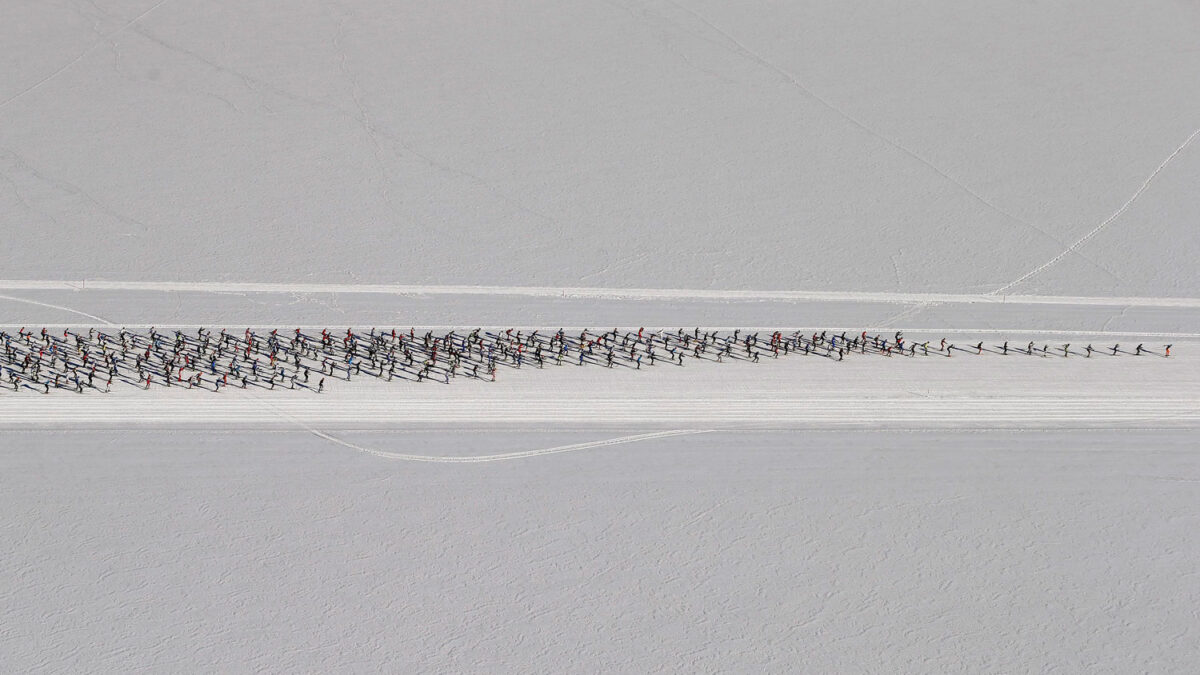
786,393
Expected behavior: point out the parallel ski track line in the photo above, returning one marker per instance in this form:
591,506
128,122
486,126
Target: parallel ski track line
589,293
854,330
681,413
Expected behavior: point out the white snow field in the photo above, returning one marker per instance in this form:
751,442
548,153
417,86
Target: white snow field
976,171
946,147
1020,551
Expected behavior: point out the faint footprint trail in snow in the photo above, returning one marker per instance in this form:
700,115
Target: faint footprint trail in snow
478,459
907,313
1107,221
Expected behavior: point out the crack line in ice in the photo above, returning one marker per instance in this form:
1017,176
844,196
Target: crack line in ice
82,54
1107,221
791,78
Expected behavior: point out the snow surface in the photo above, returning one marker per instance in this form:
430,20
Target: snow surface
968,170
948,146
767,552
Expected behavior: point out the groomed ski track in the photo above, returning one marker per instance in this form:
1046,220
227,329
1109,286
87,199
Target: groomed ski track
790,392
593,293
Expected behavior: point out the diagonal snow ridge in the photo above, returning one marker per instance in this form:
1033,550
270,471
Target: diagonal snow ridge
1107,221
591,293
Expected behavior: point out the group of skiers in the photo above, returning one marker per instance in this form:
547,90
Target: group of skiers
95,360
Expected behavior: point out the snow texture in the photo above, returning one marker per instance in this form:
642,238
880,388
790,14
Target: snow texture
768,552
948,147
969,170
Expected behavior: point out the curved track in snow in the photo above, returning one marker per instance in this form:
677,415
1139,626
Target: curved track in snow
732,412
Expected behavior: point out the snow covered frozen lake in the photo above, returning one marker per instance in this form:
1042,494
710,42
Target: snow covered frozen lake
961,170
814,551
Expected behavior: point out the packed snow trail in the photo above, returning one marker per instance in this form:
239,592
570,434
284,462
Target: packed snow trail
39,361
990,333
